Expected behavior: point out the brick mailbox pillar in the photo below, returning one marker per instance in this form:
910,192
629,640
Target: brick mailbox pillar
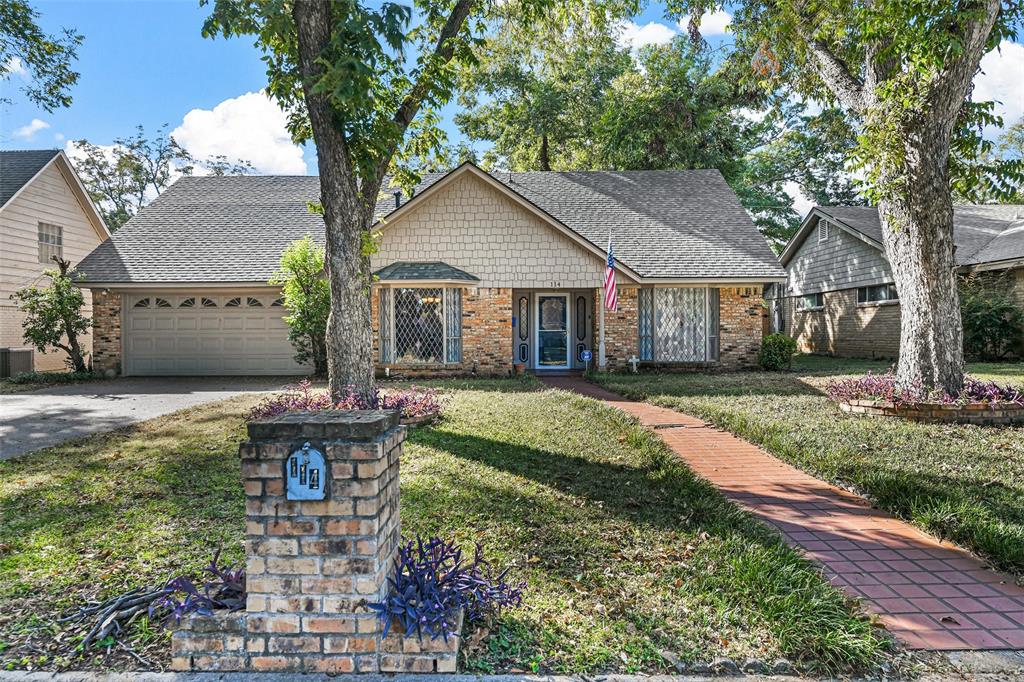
313,563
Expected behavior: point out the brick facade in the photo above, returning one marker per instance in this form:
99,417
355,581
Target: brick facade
741,314
106,334
312,565
620,336
843,328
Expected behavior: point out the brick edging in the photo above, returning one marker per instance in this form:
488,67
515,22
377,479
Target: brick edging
983,414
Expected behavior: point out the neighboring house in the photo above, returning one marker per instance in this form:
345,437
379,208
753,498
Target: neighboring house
840,298
475,272
44,211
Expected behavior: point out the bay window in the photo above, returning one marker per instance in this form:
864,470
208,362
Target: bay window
420,325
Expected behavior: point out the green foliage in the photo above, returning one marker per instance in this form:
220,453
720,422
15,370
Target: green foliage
307,297
777,351
52,377
42,61
993,322
573,99
53,315
123,177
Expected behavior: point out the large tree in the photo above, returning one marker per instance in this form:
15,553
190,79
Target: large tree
43,60
576,100
353,78
902,73
132,171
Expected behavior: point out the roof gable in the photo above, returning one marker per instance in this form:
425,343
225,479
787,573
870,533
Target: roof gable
19,167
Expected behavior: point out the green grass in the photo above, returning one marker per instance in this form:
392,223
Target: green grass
627,555
963,483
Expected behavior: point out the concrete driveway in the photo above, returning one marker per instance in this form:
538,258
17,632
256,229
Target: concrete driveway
50,416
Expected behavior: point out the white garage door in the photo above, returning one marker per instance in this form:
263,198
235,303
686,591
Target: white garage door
212,334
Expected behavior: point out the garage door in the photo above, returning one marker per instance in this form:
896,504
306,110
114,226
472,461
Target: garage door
214,334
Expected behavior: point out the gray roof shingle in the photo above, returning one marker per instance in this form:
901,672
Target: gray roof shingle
665,224
981,233
18,167
434,270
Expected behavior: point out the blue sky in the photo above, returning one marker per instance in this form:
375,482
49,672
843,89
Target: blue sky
146,63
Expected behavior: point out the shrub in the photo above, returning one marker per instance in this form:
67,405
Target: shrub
414,402
885,387
777,351
993,322
430,583
52,377
307,298
53,314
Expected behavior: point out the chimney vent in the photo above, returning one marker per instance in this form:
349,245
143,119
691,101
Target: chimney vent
398,198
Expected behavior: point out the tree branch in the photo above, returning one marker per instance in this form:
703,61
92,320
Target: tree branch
832,70
954,80
442,54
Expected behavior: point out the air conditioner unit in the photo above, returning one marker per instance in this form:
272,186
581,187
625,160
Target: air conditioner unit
16,361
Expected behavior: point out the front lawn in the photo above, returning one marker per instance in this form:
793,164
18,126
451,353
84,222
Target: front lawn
32,381
631,561
964,483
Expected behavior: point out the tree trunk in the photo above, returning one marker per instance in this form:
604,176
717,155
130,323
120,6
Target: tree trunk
73,349
348,342
917,229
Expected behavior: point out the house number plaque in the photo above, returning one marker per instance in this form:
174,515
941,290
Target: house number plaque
305,474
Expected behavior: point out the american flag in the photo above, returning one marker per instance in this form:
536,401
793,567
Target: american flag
611,301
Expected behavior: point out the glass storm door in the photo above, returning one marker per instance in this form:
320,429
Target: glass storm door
552,331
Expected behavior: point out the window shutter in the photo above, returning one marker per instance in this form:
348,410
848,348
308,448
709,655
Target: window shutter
713,304
453,325
384,325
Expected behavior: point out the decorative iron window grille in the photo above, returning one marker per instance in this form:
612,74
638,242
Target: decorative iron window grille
420,325
524,318
645,327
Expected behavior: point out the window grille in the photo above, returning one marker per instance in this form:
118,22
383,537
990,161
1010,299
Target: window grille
384,314
453,324
645,312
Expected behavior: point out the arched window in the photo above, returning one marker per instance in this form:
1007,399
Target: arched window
278,302
253,302
208,303
163,303
142,303
188,303
233,303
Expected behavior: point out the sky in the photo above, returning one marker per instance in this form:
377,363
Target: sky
146,62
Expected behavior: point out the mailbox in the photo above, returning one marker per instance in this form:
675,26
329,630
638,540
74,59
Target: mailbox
306,474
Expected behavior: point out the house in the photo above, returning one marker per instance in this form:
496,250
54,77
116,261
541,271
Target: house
474,273
839,298
44,211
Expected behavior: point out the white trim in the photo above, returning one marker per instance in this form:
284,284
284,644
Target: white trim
536,337
157,286
423,283
1007,264
714,283
83,197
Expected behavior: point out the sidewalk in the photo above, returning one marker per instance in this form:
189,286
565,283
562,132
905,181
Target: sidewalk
929,594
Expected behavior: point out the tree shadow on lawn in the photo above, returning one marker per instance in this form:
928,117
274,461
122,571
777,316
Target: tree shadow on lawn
723,385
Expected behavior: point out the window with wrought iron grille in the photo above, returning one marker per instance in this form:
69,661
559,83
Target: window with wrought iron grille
420,325
51,242
678,324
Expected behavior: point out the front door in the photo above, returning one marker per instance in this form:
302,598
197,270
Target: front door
552,331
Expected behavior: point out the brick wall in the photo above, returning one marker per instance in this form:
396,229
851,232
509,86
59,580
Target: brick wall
106,326
620,339
844,328
741,323
312,565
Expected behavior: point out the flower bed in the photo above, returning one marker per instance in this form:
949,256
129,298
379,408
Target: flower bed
880,395
418,405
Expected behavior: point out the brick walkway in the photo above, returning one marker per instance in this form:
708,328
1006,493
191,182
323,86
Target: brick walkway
929,594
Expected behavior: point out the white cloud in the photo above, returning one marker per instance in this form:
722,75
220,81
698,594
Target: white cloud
16,66
59,137
28,132
249,127
635,36
711,23
1000,80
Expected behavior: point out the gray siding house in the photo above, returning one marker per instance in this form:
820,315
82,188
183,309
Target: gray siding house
839,297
